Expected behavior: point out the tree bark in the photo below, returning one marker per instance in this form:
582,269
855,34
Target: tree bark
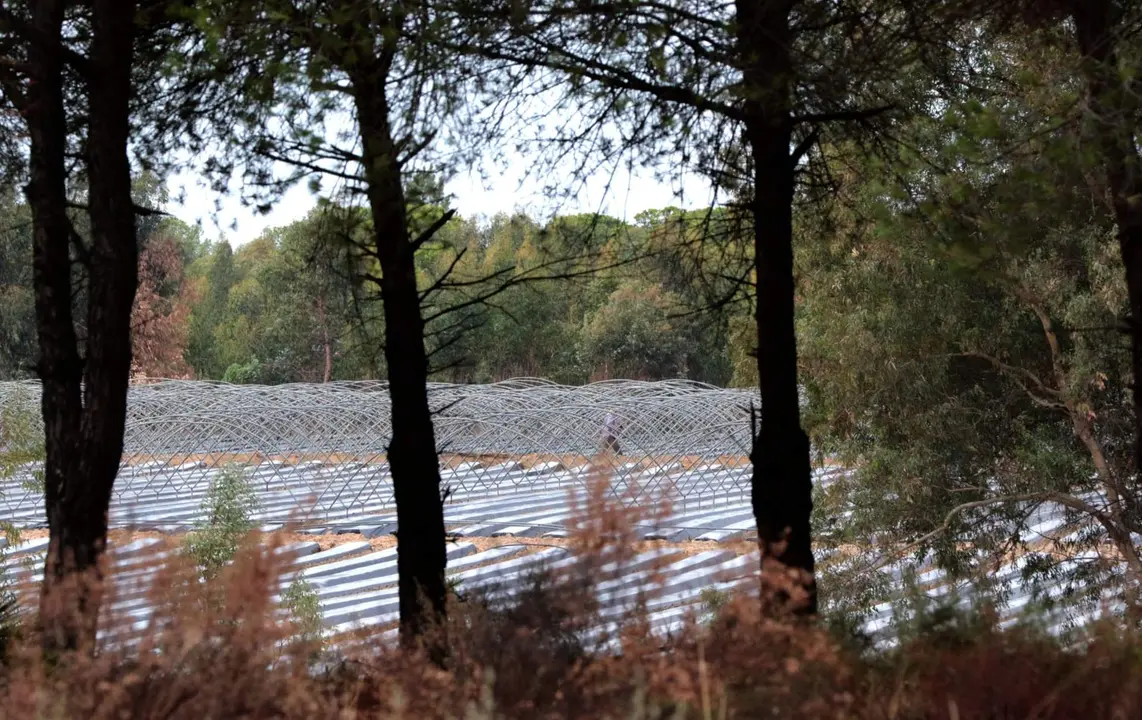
114,264
1114,106
83,433
327,374
782,489
412,455
59,366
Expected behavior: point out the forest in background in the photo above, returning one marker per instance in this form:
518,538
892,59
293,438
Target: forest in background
286,307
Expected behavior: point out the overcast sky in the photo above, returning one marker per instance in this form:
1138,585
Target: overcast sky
502,191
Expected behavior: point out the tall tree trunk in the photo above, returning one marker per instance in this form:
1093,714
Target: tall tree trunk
326,345
415,465
114,264
782,473
59,367
1114,105
84,438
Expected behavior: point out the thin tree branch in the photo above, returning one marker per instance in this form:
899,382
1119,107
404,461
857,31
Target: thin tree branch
432,230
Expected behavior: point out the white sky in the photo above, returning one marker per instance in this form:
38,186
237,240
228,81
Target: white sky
511,181
505,190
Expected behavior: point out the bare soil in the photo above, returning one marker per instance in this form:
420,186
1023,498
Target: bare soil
327,541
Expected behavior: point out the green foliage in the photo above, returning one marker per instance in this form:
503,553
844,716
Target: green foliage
452,585
9,603
944,622
17,299
850,593
229,503
958,334
246,374
287,307
633,336
21,437
154,321
279,308
304,606
713,600
217,278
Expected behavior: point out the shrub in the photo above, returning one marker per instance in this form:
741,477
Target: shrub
9,602
300,600
713,600
21,438
229,503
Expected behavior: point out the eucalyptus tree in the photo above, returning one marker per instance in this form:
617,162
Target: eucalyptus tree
744,92
960,338
1106,35
1095,44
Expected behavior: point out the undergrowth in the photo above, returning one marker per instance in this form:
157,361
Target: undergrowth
21,439
9,601
535,651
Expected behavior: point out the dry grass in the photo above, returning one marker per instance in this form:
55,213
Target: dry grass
232,658
327,541
220,650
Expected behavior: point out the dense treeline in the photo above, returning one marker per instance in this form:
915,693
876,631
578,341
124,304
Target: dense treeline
282,322
284,308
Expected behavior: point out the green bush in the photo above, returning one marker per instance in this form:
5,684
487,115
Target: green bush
245,374
229,503
301,602
713,600
21,437
9,604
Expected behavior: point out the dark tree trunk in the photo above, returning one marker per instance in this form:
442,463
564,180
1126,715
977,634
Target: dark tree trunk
84,434
1114,105
59,366
413,460
782,474
114,260
327,374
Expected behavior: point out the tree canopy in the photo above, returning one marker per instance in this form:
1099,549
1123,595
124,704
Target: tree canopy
924,251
